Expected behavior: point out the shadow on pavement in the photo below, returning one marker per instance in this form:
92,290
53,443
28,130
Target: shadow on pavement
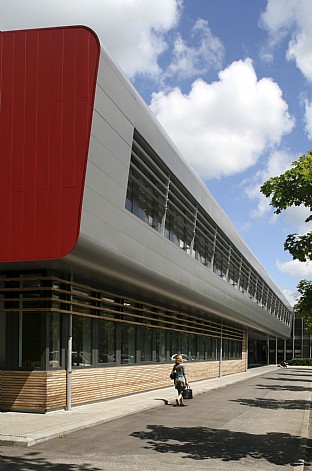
274,404
202,443
33,461
292,379
274,387
297,373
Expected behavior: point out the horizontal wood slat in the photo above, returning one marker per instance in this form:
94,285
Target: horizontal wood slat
23,390
42,391
47,294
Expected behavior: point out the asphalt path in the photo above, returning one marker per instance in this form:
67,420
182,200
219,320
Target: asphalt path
254,424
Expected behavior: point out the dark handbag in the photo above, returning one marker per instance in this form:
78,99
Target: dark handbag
172,375
187,393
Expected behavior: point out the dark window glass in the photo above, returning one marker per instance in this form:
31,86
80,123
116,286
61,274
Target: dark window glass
201,347
2,337
175,343
161,345
128,343
225,349
193,339
81,350
54,340
107,342
146,344
31,335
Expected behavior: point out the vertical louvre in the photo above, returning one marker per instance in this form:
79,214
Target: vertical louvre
158,198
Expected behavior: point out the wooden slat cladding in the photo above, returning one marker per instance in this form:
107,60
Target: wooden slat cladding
229,367
51,294
23,391
56,390
41,391
99,384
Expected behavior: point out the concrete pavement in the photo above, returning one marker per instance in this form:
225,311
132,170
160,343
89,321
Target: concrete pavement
293,419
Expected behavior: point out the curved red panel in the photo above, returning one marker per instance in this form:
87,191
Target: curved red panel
47,89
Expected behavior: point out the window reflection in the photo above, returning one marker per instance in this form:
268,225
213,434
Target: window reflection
128,341
54,340
81,351
146,344
107,342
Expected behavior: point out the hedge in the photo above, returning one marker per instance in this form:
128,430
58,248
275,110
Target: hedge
301,361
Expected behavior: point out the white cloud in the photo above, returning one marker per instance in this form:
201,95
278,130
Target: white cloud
295,268
206,51
278,163
293,19
222,128
291,296
132,31
308,118
294,216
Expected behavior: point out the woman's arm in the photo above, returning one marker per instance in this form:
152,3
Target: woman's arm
184,374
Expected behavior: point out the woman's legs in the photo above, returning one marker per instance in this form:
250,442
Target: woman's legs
180,397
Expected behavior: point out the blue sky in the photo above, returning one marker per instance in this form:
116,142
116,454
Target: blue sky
230,81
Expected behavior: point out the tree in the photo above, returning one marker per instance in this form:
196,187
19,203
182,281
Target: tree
303,305
294,188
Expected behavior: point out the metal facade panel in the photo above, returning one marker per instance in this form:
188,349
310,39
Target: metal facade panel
105,107
207,293
107,163
113,243
118,88
126,97
47,92
110,139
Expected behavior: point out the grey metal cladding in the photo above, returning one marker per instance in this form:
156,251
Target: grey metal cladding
118,246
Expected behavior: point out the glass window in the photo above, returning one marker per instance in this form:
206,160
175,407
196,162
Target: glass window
2,336
234,267
185,344
202,250
201,347
128,343
161,345
225,349
144,199
212,348
193,346
107,342
178,228
239,349
146,344
174,343
81,351
129,198
221,257
244,277
253,278
54,340
30,326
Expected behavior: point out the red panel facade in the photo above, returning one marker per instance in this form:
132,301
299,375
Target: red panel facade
47,89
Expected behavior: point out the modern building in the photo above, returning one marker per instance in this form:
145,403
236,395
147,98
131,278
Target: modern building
114,256
300,343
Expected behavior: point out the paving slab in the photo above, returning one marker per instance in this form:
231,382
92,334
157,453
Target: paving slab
28,429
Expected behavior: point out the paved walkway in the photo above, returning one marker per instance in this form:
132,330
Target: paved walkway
27,429
261,423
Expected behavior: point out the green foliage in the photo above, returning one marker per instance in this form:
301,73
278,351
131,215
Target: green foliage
301,361
294,188
303,307
300,247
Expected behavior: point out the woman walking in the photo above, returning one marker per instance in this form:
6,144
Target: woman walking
180,381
